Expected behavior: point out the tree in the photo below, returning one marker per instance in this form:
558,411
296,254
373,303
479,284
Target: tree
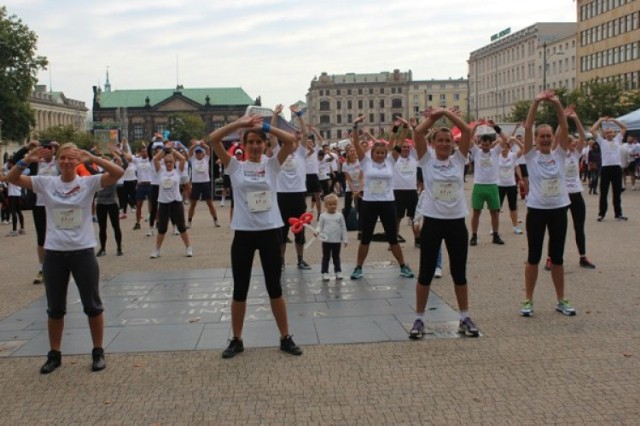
68,133
184,127
519,112
598,99
18,75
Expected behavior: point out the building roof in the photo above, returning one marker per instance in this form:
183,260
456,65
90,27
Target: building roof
136,98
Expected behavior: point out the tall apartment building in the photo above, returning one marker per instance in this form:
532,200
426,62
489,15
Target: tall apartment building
334,101
512,68
609,41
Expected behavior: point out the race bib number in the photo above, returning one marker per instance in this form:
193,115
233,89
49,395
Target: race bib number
551,187
67,218
506,173
378,186
167,183
143,165
571,170
405,168
445,191
259,201
289,165
200,168
486,163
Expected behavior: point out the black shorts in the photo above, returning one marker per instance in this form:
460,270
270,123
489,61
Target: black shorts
523,170
406,202
143,191
313,184
200,191
226,181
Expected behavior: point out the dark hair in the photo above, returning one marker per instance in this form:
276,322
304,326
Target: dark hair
262,135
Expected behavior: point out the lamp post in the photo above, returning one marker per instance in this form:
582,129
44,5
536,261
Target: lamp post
545,58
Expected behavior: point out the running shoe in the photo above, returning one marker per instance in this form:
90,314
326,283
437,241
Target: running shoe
527,308
497,239
189,252
438,273
136,226
304,265
234,348
325,277
287,345
150,233
585,263
406,272
565,308
468,327
517,230
622,218
338,275
22,232
155,254
215,223
39,279
357,273
417,331
473,241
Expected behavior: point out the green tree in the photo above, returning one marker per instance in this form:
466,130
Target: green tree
18,75
519,112
598,99
185,127
68,133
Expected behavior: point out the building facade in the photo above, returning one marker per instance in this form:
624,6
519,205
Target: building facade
55,109
609,41
141,113
334,101
515,67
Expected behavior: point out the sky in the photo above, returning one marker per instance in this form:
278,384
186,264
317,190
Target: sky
270,48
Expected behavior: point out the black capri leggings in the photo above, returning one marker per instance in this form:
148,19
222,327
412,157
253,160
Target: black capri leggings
578,214
153,204
173,210
455,235
111,210
538,221
16,212
370,211
40,222
83,266
291,204
243,248
127,194
512,195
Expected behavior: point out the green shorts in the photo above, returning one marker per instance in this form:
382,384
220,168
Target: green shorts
485,193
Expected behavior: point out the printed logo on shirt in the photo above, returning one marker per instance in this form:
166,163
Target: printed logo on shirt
256,175
69,194
549,165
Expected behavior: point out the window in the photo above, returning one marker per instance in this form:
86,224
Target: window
381,103
371,118
399,89
324,106
393,90
338,92
327,134
339,119
396,103
456,96
443,98
349,106
370,103
359,91
138,131
382,118
339,105
348,91
321,92
371,90
360,104
429,98
325,119
349,118
339,134
382,90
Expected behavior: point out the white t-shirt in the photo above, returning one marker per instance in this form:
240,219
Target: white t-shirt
378,179
334,226
129,172
68,207
610,150
353,170
199,169
572,172
324,169
547,189
405,173
485,164
443,187
506,169
143,168
311,161
169,189
46,169
292,176
254,194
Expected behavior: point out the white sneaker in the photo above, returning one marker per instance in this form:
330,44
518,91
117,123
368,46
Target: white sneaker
175,231
338,275
215,223
438,273
517,230
155,254
325,277
189,252
150,233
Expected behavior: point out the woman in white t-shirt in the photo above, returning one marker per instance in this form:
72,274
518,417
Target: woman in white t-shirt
547,201
507,171
256,221
377,202
70,240
354,183
443,213
169,197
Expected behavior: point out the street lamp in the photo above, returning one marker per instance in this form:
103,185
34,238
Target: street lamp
545,58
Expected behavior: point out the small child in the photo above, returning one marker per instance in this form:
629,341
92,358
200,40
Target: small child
332,224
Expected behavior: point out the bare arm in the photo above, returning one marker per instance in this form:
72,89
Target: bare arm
420,132
356,138
247,121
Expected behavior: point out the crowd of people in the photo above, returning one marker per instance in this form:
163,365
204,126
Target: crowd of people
275,180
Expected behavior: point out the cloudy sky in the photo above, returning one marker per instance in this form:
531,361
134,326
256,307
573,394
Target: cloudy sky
270,48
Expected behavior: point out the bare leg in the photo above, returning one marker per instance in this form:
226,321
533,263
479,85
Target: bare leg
212,209
396,250
462,296
530,278
185,238
363,251
422,296
192,209
96,326
238,310
279,309
159,240
475,221
557,276
495,220
55,327
514,217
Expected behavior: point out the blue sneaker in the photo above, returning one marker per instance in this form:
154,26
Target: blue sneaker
417,331
468,327
406,272
357,273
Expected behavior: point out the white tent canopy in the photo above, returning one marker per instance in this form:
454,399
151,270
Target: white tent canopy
631,120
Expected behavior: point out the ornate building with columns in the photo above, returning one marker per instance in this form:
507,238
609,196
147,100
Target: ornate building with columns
55,109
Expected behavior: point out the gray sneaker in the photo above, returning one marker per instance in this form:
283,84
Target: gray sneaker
468,328
565,308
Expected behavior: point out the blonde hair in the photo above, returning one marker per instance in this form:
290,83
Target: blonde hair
65,146
330,197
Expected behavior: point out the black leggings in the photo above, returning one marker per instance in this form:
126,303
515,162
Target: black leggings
173,210
153,204
40,222
386,210
538,221
578,214
512,195
127,194
16,212
330,251
111,210
455,235
243,249
611,175
357,202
